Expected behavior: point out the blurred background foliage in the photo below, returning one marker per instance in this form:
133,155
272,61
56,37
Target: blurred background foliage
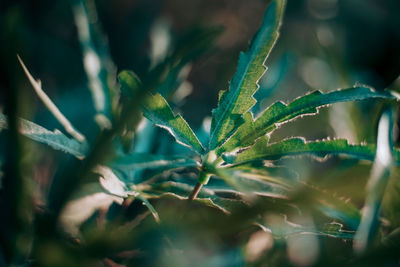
324,44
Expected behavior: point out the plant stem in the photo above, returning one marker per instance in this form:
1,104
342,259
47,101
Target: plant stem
204,176
195,191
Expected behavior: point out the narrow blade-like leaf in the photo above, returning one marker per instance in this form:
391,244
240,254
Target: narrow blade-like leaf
132,166
377,183
239,98
254,183
279,113
156,109
280,227
207,196
55,139
97,62
51,106
295,146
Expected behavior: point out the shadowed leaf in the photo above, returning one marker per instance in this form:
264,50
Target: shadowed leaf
280,227
156,109
55,139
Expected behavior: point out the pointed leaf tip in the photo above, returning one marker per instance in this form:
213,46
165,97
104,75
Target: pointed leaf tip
228,116
156,109
280,113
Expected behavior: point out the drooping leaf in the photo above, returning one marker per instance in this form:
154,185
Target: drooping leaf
115,187
279,113
147,203
295,146
156,109
55,139
239,98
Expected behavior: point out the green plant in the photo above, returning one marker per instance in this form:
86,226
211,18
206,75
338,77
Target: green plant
239,149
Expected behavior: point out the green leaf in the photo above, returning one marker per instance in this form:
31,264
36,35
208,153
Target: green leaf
332,206
295,146
239,98
156,109
115,187
129,82
147,203
280,113
55,139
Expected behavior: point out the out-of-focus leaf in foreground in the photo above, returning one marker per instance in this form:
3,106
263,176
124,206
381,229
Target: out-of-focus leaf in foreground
56,139
377,183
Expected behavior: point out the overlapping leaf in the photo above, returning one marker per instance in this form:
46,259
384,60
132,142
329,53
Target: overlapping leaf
156,109
295,146
55,139
280,112
239,98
